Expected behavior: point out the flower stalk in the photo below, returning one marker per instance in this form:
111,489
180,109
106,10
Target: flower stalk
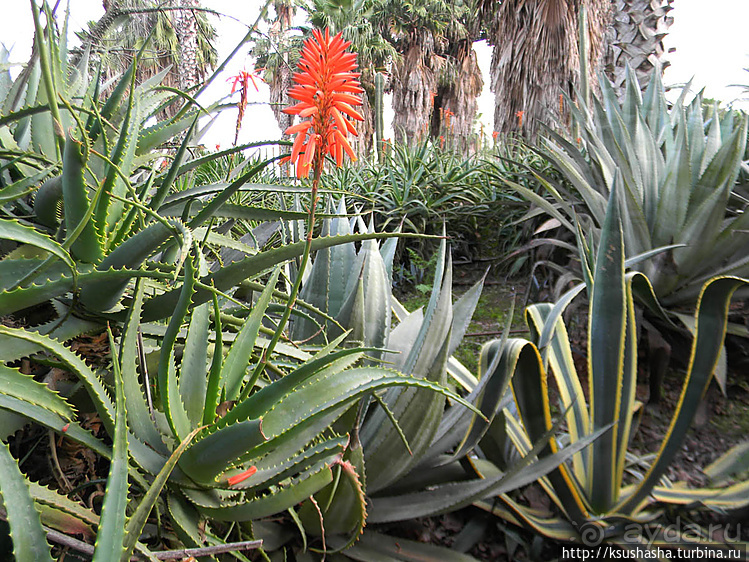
327,89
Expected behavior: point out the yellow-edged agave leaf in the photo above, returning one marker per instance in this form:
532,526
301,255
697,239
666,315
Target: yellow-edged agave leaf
540,318
529,383
607,343
711,319
731,497
734,462
505,507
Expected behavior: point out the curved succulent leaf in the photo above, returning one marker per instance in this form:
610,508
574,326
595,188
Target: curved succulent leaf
140,419
88,246
111,532
235,365
29,540
138,519
231,275
712,318
247,509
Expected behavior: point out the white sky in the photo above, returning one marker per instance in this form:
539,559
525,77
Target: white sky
710,46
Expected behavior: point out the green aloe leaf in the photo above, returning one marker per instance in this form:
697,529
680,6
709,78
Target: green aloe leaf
29,539
88,246
251,266
103,293
213,454
140,419
168,387
250,508
138,519
286,461
24,387
11,230
235,365
111,532
90,380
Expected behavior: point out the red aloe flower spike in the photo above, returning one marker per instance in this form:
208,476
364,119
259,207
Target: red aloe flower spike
242,82
327,89
519,115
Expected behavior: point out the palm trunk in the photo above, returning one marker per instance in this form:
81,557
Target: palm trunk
186,28
362,144
459,98
636,39
535,59
414,81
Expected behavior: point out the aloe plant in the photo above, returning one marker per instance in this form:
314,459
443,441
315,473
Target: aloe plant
591,493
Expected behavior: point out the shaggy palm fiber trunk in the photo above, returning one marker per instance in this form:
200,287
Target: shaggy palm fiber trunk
186,28
414,80
362,144
458,99
535,59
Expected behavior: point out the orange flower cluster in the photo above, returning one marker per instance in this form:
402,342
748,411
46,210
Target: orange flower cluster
326,88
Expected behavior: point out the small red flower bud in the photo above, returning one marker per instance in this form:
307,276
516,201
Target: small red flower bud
242,476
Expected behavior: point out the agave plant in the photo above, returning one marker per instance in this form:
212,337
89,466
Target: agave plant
676,170
409,445
595,497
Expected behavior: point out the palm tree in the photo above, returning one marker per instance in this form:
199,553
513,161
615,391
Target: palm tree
460,83
278,54
416,29
182,39
535,58
635,38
